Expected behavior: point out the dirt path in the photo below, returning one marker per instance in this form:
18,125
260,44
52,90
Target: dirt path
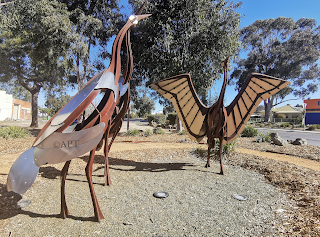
7,160
306,163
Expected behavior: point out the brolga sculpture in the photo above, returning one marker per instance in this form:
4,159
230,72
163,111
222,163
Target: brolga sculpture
217,121
60,140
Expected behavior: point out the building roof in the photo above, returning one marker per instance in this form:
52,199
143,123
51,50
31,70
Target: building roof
286,109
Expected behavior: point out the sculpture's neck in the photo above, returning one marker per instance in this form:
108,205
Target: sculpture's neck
115,64
224,85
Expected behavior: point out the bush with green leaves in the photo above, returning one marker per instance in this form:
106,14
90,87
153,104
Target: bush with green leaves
13,132
158,131
313,127
226,149
261,137
133,132
249,131
172,117
158,118
285,125
147,133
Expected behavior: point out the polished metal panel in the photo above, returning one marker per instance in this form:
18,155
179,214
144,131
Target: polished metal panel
107,82
70,128
49,130
76,101
123,88
60,147
22,173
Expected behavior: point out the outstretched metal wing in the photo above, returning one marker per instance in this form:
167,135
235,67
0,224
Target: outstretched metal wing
258,87
193,114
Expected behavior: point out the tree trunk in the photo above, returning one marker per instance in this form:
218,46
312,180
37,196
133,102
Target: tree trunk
34,108
179,125
128,118
267,108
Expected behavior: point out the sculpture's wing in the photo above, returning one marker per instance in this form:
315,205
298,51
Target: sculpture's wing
258,87
193,114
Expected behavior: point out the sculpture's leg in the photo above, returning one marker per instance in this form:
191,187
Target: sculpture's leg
211,144
64,209
106,157
220,154
97,212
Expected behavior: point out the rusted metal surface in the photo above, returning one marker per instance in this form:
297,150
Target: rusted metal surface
60,140
217,121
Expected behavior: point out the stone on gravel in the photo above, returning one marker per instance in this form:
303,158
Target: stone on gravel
277,140
300,142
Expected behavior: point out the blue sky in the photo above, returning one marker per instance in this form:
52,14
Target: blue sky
253,10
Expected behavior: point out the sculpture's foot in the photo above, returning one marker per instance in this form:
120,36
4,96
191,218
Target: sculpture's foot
221,172
107,181
207,165
64,213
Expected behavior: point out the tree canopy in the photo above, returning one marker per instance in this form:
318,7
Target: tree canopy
184,37
55,102
35,37
95,22
282,48
144,105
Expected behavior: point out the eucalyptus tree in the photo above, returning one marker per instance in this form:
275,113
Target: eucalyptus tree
95,22
282,48
35,38
184,37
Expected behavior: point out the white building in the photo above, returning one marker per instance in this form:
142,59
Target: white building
5,105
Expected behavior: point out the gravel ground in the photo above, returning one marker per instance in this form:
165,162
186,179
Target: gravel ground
283,199
200,201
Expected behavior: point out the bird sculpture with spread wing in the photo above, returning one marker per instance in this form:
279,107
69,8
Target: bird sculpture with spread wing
217,121
61,140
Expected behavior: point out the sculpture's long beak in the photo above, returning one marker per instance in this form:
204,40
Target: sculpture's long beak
22,173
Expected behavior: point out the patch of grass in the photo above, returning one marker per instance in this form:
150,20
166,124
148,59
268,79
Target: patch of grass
147,132
285,125
182,132
14,132
133,132
249,131
158,131
226,149
261,137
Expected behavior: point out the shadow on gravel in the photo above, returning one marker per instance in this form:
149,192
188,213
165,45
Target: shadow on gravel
34,131
138,166
8,203
49,172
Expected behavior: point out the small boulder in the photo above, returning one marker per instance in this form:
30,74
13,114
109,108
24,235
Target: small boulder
277,140
300,142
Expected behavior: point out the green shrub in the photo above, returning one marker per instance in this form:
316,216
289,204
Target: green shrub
172,117
226,149
285,125
182,132
132,132
147,132
261,137
13,132
158,118
313,127
249,131
158,131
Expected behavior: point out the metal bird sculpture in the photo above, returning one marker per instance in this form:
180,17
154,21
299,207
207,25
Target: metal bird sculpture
217,121
60,140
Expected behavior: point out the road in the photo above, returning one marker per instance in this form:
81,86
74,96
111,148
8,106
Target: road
312,137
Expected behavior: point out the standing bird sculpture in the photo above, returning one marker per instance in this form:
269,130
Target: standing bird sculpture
60,140
217,121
